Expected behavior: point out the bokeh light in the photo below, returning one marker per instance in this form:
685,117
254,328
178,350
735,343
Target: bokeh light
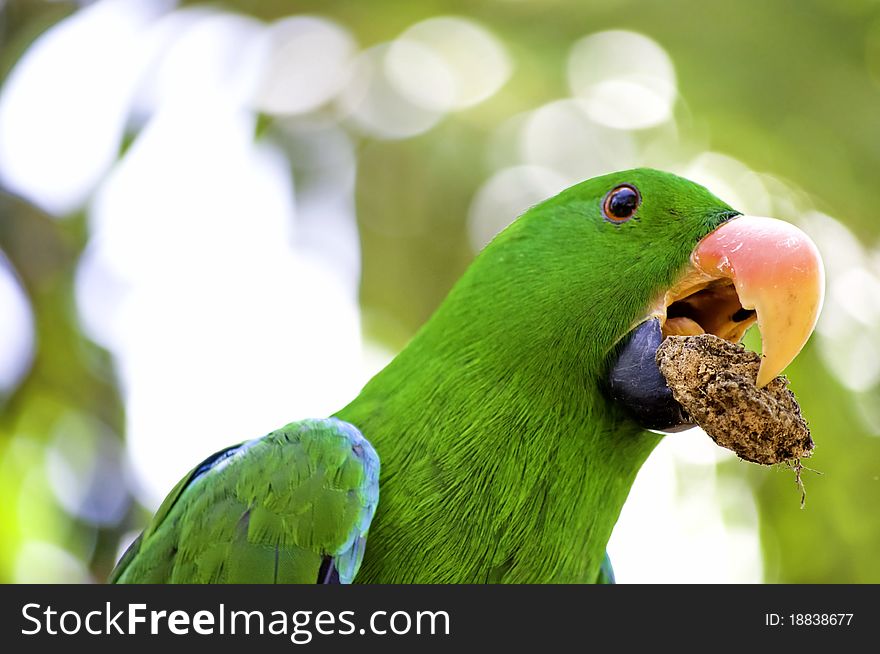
849,326
208,323
16,329
730,180
374,104
87,65
625,79
308,59
41,562
561,136
671,529
84,469
447,63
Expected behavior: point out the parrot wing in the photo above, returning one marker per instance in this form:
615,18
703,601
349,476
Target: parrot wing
291,507
606,572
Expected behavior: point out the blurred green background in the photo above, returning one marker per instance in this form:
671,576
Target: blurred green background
216,218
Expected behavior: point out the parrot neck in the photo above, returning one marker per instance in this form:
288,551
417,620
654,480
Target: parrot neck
501,460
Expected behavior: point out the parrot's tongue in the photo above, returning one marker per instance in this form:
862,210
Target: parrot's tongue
748,270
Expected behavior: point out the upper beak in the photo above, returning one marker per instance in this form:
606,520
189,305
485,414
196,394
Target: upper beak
777,271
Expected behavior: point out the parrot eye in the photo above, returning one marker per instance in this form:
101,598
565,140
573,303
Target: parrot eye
621,203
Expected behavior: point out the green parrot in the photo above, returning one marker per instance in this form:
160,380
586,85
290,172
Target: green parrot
511,428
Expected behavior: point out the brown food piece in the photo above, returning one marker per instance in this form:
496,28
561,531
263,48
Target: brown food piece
714,380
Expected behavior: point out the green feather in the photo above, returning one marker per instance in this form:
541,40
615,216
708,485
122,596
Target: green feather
267,511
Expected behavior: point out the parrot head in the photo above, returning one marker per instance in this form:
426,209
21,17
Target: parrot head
624,260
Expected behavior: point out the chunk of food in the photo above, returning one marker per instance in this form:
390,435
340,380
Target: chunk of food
714,380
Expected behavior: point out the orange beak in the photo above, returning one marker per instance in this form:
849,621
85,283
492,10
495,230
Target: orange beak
776,271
